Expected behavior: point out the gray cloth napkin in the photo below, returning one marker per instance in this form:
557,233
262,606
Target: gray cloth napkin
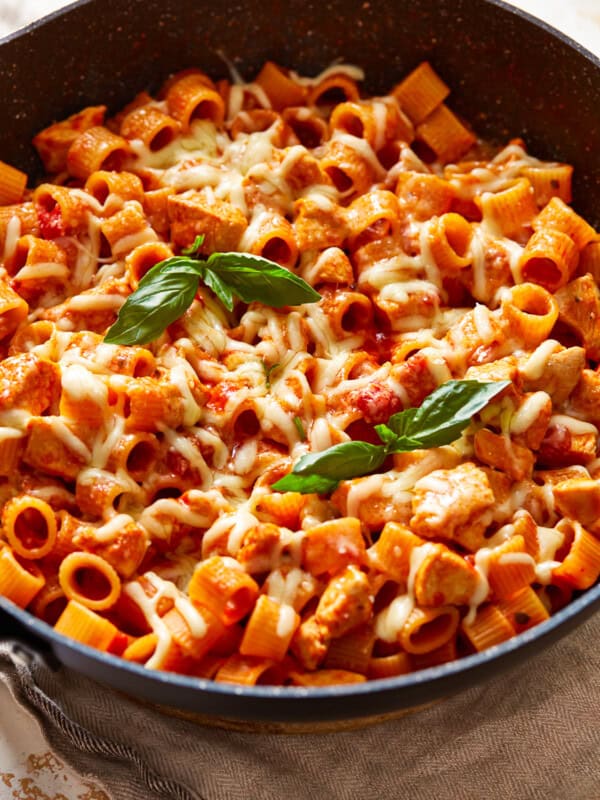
532,732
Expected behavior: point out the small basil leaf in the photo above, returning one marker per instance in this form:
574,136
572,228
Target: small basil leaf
448,410
300,428
342,461
170,265
386,434
219,287
255,278
394,443
193,250
401,422
305,484
152,307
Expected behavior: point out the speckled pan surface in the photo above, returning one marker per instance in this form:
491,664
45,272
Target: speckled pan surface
511,76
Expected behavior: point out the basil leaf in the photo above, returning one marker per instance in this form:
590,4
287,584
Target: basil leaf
300,428
152,307
342,461
193,251
440,420
401,422
394,443
170,265
219,287
255,278
444,415
305,484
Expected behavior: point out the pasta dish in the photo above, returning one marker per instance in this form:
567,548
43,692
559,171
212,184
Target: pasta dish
297,385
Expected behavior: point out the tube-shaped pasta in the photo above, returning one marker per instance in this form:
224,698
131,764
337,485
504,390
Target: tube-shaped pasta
125,185
97,492
249,671
151,125
20,581
441,655
281,89
310,129
141,649
558,216
32,251
194,633
84,625
347,169
29,526
549,259
190,98
489,627
143,257
334,88
388,666
281,509
224,589
274,239
550,181
523,609
372,216
352,651
424,195
12,445
96,149
347,312
421,92
89,580
53,143
427,629
136,453
333,545
449,238
529,312
579,309
261,119
376,121
50,602
581,566
67,210
325,677
13,309
589,260
17,221
510,568
445,135
269,630
12,184
511,209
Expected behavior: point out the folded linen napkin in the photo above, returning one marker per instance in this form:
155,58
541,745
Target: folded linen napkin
532,732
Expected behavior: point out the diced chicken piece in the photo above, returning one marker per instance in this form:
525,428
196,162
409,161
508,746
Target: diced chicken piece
453,504
346,602
579,499
191,215
444,578
28,382
558,376
507,456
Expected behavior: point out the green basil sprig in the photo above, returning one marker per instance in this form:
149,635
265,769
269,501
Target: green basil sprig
440,420
167,290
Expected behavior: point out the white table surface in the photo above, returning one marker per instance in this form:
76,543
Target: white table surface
28,767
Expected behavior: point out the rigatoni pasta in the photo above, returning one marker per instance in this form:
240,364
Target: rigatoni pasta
139,514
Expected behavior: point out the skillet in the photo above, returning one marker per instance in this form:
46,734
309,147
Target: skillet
511,76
